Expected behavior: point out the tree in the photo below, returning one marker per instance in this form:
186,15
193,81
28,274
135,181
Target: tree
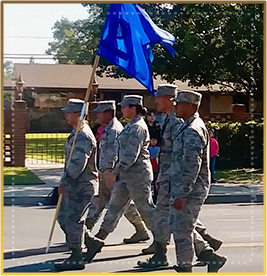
76,42
8,68
215,43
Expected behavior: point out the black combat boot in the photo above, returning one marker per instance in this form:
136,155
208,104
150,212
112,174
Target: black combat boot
158,259
213,260
216,262
101,234
151,249
182,269
140,234
74,262
94,245
89,224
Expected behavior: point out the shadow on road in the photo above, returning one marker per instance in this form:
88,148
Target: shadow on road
116,258
139,269
121,243
34,252
47,266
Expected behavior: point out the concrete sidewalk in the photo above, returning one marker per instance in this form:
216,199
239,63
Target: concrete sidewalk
50,174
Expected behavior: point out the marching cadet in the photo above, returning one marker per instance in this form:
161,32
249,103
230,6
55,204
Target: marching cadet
106,111
78,183
164,103
190,182
163,96
132,174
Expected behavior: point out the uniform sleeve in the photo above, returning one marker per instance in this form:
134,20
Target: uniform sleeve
175,124
108,153
129,154
81,153
189,164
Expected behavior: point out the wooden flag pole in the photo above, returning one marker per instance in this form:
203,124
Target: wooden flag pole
83,114
54,222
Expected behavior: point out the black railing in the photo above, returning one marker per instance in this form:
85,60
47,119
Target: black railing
45,147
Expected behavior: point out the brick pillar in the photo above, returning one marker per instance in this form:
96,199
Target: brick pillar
18,132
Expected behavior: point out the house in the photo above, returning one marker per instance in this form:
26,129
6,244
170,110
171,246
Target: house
48,87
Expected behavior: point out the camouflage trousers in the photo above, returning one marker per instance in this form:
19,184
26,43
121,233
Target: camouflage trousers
71,210
182,224
123,192
161,214
99,202
162,230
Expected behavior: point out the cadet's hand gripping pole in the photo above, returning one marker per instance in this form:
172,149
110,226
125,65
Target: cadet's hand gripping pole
83,115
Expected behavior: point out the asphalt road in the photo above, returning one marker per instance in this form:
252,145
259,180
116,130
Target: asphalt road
26,231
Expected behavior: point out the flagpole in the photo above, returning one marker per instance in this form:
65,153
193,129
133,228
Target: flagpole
85,107
83,115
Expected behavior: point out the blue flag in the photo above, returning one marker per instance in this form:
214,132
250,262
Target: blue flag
127,40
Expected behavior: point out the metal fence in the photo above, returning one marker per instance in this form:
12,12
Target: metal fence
45,147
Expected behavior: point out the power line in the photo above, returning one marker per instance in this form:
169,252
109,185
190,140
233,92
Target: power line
38,37
38,56
27,55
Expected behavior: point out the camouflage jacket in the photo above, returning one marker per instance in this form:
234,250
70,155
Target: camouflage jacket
82,166
190,175
133,154
108,145
169,128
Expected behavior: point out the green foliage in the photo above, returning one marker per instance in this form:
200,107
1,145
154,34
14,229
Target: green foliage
241,145
7,95
215,43
8,68
76,42
124,121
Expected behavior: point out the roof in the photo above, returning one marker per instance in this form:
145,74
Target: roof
77,76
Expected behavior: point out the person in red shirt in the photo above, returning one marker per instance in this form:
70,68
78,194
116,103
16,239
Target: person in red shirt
214,149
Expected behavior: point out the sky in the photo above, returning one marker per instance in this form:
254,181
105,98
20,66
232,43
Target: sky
27,28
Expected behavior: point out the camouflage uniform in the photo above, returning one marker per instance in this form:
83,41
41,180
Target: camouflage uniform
190,180
134,176
162,234
80,180
169,128
107,160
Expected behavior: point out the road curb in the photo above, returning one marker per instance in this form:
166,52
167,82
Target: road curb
212,199
245,198
25,201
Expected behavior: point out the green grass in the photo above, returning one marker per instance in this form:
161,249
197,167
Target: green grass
239,176
46,146
20,176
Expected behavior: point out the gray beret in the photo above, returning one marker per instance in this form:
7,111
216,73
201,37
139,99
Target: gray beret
73,106
132,100
187,96
166,90
105,106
